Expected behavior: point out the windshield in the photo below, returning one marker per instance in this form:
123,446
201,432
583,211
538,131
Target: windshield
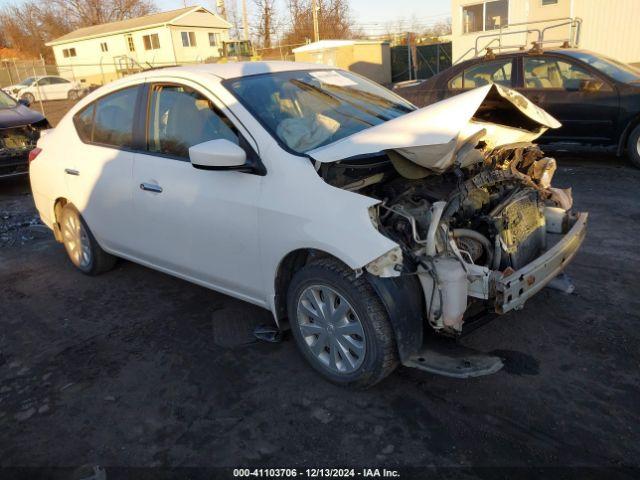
617,70
6,101
27,81
309,109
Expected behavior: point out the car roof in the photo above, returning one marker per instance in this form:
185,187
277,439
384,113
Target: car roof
236,69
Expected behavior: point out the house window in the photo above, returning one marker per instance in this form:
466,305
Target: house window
549,2
132,47
69,52
188,39
214,39
485,16
104,47
151,42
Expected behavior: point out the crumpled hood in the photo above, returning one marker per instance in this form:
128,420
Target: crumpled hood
431,136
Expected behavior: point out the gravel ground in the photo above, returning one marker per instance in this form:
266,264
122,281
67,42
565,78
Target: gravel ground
136,368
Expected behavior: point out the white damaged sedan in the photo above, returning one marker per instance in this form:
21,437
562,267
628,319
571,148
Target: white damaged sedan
367,226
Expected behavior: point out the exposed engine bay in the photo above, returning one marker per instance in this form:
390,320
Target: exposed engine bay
15,144
478,233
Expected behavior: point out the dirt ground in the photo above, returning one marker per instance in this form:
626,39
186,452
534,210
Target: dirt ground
137,368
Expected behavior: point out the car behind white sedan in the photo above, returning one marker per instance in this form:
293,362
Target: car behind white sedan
364,224
45,88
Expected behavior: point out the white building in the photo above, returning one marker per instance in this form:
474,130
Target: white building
101,53
608,27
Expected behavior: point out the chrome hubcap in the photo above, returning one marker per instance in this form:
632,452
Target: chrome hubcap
638,146
331,329
76,241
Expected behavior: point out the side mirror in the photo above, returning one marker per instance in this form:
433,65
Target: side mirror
24,102
218,154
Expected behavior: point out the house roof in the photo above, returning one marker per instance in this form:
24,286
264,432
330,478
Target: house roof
122,26
327,44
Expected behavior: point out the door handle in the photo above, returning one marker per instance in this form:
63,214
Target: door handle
71,171
150,187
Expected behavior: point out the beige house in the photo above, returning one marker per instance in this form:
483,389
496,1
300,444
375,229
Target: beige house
608,27
371,59
101,53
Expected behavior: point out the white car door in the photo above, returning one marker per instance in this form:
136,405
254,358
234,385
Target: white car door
199,224
98,168
42,89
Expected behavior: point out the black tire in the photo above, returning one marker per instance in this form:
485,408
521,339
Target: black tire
380,356
73,95
99,261
28,97
633,147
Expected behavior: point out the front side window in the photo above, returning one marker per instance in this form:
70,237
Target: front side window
151,42
309,109
44,81
485,16
109,120
188,39
180,117
57,80
498,71
553,73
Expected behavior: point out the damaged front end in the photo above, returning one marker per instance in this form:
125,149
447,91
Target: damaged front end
468,199
15,145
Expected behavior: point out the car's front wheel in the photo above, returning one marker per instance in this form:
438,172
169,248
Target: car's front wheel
633,146
340,324
28,97
73,95
81,246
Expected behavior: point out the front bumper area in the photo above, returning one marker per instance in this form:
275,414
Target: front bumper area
515,289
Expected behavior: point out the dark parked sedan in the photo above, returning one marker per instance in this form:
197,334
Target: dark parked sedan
596,99
19,131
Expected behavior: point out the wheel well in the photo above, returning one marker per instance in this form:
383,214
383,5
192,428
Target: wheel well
57,212
58,206
289,265
624,138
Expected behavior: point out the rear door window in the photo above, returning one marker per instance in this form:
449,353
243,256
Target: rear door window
496,71
109,120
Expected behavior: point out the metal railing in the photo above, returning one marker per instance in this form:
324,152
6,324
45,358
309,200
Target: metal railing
573,39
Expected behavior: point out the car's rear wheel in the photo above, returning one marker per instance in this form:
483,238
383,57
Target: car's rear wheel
340,325
72,95
633,147
28,97
81,246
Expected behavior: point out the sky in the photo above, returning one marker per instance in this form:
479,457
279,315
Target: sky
371,15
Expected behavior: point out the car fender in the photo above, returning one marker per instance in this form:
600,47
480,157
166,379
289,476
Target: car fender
299,211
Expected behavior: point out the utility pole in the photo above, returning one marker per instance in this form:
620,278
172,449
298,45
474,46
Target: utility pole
316,28
245,22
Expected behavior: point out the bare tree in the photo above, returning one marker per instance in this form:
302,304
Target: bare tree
233,17
334,20
265,22
27,26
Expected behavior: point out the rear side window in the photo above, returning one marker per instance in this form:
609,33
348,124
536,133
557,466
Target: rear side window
84,123
498,71
109,120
